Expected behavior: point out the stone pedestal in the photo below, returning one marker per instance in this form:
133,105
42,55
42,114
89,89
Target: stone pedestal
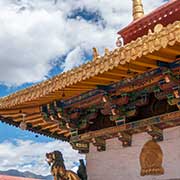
118,163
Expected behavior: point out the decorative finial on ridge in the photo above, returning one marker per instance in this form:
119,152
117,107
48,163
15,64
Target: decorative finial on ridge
107,52
138,10
95,53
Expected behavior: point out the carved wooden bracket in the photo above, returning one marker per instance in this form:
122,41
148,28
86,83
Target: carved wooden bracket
155,132
174,101
126,138
100,143
82,147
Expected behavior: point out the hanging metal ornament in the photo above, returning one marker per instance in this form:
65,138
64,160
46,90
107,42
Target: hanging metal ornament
119,42
23,124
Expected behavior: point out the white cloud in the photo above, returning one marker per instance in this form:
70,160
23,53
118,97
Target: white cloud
73,59
33,33
30,156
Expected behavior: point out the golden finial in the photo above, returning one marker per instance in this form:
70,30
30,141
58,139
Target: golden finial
138,10
107,52
95,53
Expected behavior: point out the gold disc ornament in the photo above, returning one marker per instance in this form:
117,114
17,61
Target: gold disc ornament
151,158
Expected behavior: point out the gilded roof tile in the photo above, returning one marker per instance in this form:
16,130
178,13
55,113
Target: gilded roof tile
154,41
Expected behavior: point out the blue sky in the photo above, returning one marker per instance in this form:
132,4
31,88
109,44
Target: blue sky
9,133
40,39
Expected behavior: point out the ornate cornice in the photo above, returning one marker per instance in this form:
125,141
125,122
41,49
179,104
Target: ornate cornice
154,41
135,127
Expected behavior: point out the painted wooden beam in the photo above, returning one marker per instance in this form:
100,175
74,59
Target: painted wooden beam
141,124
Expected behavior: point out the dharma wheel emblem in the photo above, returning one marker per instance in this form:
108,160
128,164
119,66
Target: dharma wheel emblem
151,158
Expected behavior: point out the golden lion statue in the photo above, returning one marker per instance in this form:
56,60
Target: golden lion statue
58,170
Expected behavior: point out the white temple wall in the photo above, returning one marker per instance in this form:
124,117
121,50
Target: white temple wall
118,163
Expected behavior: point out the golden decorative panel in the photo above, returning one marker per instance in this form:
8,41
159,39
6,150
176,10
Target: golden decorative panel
151,158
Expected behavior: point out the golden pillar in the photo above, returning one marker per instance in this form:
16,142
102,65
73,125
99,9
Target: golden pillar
138,10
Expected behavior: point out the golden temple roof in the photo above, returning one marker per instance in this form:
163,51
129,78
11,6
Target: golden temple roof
160,44
139,56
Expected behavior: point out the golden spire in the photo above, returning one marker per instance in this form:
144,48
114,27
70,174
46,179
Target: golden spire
138,10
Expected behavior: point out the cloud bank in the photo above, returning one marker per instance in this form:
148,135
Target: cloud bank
34,34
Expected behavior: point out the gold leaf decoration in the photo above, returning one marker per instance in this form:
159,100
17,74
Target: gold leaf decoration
151,158
158,28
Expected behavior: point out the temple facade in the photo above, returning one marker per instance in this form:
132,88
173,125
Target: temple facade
124,163
121,109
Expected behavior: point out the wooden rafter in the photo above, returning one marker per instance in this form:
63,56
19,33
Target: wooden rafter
145,62
30,117
34,121
133,68
52,126
159,57
62,132
171,50
26,110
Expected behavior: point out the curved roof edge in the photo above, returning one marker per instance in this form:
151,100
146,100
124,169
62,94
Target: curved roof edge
153,41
